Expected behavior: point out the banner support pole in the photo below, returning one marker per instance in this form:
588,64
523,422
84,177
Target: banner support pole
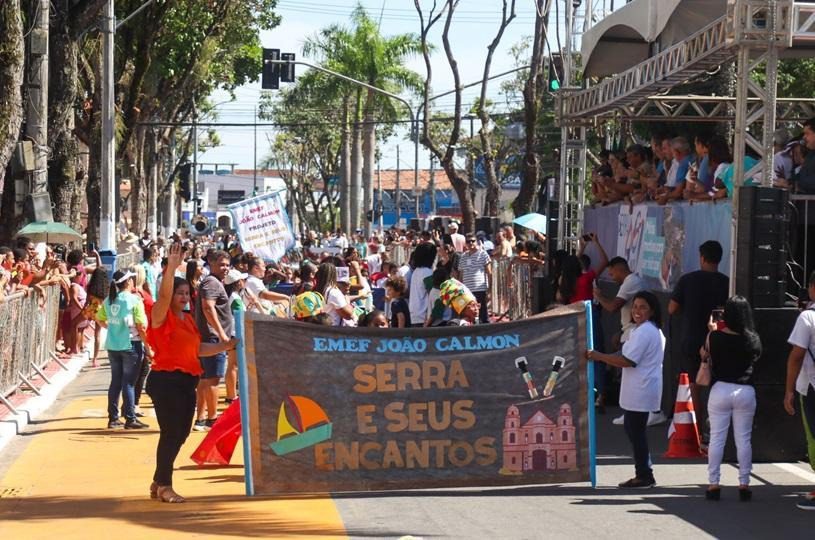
590,400
243,381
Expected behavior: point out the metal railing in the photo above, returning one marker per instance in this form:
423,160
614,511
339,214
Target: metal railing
399,253
511,293
28,333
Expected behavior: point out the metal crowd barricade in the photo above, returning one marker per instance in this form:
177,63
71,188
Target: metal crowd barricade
399,253
28,333
512,292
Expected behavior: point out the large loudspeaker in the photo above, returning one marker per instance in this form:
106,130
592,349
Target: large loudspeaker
489,225
416,224
38,207
777,436
441,222
761,247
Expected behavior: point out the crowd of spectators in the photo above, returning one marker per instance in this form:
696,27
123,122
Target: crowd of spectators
673,168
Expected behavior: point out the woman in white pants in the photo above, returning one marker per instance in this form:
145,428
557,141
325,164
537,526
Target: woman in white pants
732,353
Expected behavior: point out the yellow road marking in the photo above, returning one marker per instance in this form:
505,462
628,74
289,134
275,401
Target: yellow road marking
76,479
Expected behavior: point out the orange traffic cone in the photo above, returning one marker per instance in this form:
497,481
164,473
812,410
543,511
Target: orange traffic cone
683,435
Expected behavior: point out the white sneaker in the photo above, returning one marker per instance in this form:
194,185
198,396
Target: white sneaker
654,419
620,420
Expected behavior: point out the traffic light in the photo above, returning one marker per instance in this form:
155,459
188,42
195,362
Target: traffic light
184,181
287,71
271,71
555,72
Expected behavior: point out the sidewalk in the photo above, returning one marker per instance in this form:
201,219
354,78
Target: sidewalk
72,477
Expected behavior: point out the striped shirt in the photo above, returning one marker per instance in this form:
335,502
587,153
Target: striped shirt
473,270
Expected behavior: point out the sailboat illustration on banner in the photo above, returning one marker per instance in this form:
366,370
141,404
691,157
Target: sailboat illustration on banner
310,425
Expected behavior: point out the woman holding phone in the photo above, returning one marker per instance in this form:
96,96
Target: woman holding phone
171,385
732,350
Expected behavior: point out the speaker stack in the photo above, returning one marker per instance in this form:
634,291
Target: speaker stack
761,246
489,225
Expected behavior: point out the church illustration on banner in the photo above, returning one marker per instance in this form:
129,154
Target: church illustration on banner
539,444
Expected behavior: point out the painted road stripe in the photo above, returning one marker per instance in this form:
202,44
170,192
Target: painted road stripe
797,471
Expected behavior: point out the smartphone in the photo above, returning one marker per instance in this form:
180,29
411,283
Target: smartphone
717,314
91,247
587,238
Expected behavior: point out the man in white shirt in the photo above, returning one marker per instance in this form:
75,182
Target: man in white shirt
458,240
630,284
801,379
374,259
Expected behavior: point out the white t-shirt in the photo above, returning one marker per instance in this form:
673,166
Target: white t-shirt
334,300
641,386
803,335
374,263
418,295
631,285
255,286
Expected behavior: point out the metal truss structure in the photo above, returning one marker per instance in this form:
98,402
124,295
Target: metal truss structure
753,32
692,108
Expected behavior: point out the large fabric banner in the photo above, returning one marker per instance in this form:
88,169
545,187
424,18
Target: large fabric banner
263,226
337,409
660,243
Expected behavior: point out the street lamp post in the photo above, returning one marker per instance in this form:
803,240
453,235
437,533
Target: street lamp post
413,119
107,221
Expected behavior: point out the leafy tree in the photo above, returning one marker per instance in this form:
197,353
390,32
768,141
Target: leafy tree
11,101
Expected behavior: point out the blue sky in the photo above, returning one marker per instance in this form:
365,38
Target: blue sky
474,26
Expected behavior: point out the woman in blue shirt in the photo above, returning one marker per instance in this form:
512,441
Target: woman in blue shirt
122,313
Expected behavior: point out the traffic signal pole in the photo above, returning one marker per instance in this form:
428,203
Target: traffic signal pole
413,119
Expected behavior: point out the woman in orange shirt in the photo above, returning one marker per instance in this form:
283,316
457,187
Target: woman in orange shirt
176,343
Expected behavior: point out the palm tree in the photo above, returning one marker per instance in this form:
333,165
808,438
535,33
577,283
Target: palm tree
363,53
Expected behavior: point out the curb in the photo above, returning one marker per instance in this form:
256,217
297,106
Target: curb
13,424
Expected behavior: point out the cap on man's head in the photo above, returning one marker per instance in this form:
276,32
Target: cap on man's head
233,276
453,226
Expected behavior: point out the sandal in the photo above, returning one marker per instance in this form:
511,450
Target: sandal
154,491
168,495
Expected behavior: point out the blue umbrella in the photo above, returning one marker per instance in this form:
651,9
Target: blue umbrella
534,221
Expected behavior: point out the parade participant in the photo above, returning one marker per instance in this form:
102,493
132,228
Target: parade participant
695,296
254,286
437,312
732,353
374,319
172,383
194,272
420,282
97,291
122,313
307,306
214,319
395,289
140,289
337,306
476,272
149,257
641,387
457,296
801,379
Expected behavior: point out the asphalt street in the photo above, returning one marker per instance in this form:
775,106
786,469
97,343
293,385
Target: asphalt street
676,508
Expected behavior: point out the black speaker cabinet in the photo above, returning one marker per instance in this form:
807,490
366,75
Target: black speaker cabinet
761,246
416,224
38,207
489,225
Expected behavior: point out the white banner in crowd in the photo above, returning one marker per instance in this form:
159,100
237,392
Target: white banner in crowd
263,226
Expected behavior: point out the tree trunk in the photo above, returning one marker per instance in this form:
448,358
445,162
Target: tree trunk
369,159
12,62
62,96
532,95
345,172
138,183
356,172
464,191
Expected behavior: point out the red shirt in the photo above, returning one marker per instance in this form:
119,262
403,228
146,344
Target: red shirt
584,287
175,345
147,298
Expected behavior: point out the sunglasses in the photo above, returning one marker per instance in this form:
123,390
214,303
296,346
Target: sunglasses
471,241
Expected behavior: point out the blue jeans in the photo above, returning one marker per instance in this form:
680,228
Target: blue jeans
124,370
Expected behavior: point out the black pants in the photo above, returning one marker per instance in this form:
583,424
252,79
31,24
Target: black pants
481,298
173,395
636,426
143,371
